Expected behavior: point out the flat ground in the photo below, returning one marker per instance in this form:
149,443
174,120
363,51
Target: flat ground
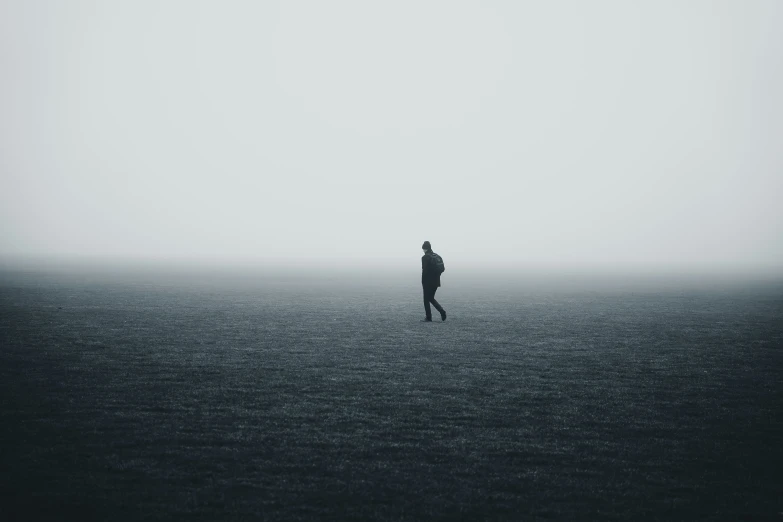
206,399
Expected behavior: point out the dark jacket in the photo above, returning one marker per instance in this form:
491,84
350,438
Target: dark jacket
429,276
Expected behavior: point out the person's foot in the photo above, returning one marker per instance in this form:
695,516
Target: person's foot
443,315
427,320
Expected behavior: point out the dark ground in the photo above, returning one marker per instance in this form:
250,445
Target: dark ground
146,398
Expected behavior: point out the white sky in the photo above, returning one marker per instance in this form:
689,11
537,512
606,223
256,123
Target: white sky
535,133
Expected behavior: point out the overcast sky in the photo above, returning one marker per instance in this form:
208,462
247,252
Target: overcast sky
536,133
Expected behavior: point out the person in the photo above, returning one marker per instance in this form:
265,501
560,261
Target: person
430,281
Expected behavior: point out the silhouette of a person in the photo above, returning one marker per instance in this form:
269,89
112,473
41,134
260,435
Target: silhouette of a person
430,281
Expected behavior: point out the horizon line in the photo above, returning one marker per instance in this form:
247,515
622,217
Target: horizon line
377,264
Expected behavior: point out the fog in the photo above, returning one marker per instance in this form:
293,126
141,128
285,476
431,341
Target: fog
559,134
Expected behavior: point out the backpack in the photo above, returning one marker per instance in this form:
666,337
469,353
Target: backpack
437,263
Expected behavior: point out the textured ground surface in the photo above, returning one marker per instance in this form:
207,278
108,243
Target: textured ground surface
147,398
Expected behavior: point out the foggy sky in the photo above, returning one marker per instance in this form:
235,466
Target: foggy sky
535,133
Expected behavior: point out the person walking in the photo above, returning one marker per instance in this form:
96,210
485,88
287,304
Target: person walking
431,269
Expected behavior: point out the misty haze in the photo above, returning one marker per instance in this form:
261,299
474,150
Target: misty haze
214,275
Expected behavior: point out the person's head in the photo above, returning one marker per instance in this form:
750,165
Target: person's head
426,246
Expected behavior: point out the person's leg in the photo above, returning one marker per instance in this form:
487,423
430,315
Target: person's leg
437,305
427,296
